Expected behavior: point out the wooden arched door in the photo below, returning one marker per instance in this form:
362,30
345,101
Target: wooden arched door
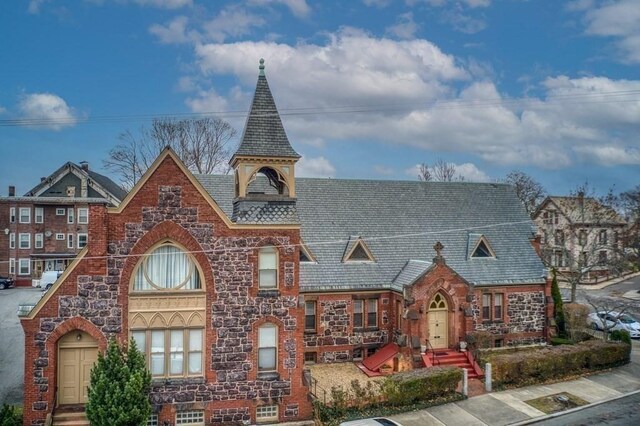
438,319
77,352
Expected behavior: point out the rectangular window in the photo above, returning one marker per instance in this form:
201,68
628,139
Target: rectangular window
372,313
558,259
140,339
267,347
82,240
195,352
310,357
357,354
358,308
12,215
60,212
12,240
12,266
157,353
70,241
486,306
176,353
559,237
616,238
190,418
39,215
25,241
602,256
267,265
83,216
602,239
70,215
267,413
152,420
582,259
25,214
399,314
550,217
24,267
497,304
498,343
582,237
310,315
39,241
60,237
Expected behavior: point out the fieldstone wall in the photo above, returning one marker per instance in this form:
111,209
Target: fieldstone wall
525,313
231,416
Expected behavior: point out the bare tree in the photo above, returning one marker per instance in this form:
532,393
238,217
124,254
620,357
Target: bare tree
441,171
630,206
528,190
202,144
609,310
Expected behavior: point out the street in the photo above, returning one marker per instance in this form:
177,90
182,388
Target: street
12,342
615,290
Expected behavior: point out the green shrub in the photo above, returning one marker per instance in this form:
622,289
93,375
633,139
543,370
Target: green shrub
553,362
558,310
10,415
621,336
420,385
119,387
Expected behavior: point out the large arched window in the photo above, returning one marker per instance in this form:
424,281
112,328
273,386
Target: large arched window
166,268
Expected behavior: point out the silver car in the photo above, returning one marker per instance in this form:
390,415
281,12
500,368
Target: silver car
376,421
614,321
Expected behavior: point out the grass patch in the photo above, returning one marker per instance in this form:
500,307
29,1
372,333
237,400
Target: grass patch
557,402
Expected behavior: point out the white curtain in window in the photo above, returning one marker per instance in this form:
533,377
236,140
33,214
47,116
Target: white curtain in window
166,267
267,264
157,352
177,352
195,351
267,344
140,339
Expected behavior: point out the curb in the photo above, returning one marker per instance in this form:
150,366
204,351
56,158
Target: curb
572,410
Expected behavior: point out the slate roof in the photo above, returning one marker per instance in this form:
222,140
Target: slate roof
410,272
400,221
264,134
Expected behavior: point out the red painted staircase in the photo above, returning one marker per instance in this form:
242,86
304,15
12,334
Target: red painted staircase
455,358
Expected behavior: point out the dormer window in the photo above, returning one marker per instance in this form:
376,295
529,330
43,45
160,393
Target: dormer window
358,252
305,254
482,249
167,268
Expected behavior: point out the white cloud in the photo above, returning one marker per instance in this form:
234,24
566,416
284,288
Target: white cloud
174,32
468,172
441,3
579,5
363,88
405,27
233,21
383,170
165,4
462,21
34,6
620,20
299,8
47,110
610,155
315,167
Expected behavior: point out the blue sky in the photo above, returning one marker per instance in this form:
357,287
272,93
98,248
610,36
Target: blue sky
548,87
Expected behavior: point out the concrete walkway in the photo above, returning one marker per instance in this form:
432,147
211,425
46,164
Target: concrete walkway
509,407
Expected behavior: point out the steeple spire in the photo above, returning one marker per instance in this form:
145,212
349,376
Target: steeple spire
264,135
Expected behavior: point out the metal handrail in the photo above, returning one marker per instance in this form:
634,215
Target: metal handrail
55,402
313,390
434,361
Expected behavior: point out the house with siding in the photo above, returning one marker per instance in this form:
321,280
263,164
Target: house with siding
231,284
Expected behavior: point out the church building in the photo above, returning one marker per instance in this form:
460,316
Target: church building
231,284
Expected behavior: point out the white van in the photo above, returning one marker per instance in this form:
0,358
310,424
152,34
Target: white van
48,278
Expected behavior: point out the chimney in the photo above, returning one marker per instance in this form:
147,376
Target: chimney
12,191
84,165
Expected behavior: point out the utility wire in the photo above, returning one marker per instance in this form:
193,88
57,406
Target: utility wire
624,96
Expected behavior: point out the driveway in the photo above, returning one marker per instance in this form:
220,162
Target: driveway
12,342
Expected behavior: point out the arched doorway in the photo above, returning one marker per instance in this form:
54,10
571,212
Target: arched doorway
438,322
77,352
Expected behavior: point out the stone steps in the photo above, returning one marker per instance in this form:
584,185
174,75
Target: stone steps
456,359
70,419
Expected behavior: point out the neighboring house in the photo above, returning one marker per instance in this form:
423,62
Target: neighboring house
230,284
579,235
45,229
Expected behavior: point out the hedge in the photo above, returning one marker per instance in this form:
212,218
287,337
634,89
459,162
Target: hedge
420,385
553,362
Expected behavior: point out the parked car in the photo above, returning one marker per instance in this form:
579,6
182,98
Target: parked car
6,282
48,278
377,421
614,321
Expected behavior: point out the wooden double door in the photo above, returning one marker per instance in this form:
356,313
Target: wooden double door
77,352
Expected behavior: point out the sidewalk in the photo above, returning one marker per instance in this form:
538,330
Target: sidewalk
509,407
601,285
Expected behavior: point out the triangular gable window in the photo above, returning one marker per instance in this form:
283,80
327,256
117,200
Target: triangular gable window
305,254
483,249
359,253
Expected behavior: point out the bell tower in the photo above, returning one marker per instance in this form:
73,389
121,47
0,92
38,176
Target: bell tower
264,164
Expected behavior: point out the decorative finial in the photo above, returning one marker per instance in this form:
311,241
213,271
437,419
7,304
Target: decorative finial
438,248
261,67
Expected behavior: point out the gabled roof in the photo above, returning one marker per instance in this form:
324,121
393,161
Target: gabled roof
357,251
582,210
97,181
478,246
410,273
264,135
409,217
